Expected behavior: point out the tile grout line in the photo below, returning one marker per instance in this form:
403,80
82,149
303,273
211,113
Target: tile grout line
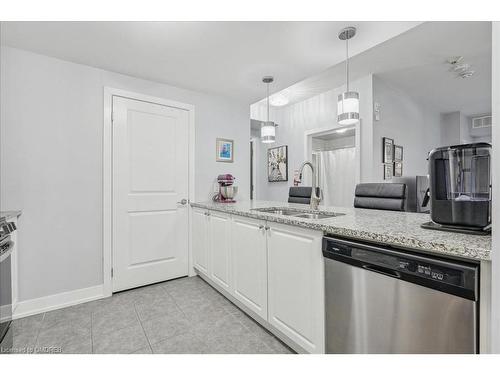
39,330
143,330
92,332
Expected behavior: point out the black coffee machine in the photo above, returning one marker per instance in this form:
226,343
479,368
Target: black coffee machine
460,188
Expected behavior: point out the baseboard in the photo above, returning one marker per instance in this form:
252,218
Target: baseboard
57,301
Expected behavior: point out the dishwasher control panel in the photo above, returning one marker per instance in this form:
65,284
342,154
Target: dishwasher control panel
432,272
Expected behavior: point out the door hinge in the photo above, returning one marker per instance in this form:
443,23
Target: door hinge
112,117
111,272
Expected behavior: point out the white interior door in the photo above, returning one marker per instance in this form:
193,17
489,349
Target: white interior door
150,179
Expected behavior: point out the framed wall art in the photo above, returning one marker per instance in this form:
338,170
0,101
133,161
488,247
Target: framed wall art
224,149
398,153
388,171
388,150
398,169
277,164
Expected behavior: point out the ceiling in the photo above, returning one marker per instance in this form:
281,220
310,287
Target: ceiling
433,81
226,58
415,62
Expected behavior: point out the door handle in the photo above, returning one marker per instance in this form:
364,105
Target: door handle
183,202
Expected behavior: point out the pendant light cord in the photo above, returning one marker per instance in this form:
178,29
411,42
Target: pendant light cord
268,102
347,62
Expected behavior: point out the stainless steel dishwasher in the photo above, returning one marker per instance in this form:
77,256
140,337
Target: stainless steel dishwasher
383,300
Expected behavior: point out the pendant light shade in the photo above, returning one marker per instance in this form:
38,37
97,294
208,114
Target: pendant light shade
347,102
268,132
268,129
348,108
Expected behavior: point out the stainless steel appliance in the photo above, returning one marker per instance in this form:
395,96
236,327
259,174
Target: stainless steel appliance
383,300
460,188
6,246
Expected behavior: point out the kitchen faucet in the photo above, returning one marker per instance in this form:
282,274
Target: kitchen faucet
314,197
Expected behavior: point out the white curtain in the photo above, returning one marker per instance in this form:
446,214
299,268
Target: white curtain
337,176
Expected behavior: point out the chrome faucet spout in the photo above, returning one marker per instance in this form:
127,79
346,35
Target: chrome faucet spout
314,197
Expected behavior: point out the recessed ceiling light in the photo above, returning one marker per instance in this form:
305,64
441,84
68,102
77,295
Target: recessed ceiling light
278,100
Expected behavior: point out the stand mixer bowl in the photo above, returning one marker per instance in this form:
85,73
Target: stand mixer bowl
228,192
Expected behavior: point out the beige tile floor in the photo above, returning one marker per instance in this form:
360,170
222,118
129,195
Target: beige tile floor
180,316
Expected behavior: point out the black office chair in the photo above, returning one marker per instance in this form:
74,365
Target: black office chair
380,196
301,194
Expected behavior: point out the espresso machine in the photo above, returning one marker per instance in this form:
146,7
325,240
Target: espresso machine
227,191
460,188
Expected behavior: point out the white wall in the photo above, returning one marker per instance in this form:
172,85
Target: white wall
451,128
411,124
316,112
495,265
51,161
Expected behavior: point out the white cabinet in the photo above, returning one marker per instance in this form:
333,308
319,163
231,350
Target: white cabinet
199,238
220,248
274,270
296,285
249,263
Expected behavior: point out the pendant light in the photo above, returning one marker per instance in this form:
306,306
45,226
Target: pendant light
348,102
268,129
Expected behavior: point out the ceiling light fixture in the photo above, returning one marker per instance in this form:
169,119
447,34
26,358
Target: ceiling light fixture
268,129
348,102
462,69
279,100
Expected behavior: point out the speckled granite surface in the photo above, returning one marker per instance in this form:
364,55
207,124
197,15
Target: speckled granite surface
387,227
10,214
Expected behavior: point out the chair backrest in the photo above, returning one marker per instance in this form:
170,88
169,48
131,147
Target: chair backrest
381,196
301,194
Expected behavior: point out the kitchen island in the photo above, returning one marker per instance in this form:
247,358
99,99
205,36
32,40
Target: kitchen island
270,263
401,229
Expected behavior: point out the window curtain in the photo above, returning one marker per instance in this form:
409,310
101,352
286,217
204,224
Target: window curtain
337,176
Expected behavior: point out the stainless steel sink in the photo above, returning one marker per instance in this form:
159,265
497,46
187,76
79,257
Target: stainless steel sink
279,211
297,212
317,216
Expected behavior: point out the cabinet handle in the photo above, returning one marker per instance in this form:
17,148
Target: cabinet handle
267,228
261,227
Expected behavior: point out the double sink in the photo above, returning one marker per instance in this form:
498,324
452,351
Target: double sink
299,213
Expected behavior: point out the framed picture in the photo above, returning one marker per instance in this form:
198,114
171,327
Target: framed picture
224,149
398,153
398,169
388,148
388,170
277,164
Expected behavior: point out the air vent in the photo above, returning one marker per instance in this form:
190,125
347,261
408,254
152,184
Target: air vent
481,122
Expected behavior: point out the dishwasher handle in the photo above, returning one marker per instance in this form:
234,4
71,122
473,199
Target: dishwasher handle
382,270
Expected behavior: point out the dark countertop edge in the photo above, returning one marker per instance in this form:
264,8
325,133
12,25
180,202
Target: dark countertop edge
360,235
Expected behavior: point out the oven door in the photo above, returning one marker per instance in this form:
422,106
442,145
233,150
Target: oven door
6,246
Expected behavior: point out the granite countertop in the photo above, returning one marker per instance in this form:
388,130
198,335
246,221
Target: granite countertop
10,214
400,229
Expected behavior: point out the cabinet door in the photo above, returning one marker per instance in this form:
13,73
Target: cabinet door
296,285
201,245
249,260
220,248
